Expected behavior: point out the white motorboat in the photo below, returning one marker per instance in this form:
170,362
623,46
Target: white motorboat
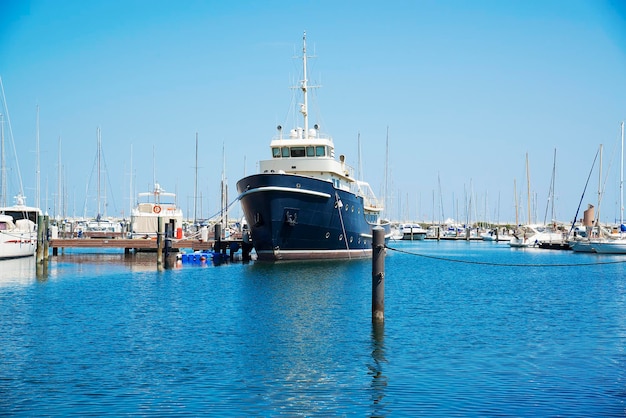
18,230
534,235
412,232
152,206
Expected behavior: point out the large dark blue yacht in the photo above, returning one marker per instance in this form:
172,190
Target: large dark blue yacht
304,203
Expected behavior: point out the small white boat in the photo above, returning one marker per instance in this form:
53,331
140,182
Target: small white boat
18,230
396,232
152,206
609,246
581,245
495,235
534,235
102,228
412,232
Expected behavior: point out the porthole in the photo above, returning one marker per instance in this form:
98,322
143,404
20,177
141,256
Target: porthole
327,235
298,185
340,237
351,239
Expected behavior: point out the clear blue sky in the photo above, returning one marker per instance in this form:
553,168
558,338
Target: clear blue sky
466,88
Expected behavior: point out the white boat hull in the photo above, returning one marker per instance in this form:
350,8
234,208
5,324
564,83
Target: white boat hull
17,244
617,246
581,246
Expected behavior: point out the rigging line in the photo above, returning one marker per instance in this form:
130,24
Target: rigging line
222,210
485,263
17,162
93,168
339,205
108,179
584,190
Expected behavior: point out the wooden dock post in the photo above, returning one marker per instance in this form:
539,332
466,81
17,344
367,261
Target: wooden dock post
46,241
40,230
378,274
217,236
160,244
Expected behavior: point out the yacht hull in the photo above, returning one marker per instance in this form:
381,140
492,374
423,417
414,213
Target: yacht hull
296,217
17,244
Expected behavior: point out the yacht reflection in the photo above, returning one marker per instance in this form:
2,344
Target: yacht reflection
17,271
379,379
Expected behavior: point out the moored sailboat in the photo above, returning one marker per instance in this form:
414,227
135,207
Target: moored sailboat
615,245
306,204
18,223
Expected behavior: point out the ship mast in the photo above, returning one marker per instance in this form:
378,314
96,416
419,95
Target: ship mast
304,87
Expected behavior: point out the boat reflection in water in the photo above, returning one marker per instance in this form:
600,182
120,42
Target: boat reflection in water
17,271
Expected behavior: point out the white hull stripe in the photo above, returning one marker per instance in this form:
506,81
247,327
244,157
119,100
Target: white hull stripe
283,189
314,254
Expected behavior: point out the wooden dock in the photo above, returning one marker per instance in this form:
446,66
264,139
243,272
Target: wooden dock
138,244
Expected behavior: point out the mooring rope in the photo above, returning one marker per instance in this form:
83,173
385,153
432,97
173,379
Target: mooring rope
486,263
339,205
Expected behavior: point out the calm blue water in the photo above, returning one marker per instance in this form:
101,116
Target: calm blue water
102,335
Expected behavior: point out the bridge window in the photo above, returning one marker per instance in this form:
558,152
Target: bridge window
285,151
310,151
297,151
320,151
276,152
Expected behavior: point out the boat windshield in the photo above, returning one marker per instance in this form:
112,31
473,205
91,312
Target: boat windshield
300,151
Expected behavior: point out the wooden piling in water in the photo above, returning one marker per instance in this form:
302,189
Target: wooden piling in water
46,241
160,244
378,274
217,236
39,239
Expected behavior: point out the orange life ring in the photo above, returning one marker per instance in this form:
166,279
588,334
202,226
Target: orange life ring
156,209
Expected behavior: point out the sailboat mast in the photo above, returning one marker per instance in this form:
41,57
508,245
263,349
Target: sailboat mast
528,186
360,173
195,187
621,183
3,197
386,185
599,186
38,172
516,205
224,202
553,186
131,195
154,181
98,170
550,204
17,163
59,182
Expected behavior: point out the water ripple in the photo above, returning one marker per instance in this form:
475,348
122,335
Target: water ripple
104,337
